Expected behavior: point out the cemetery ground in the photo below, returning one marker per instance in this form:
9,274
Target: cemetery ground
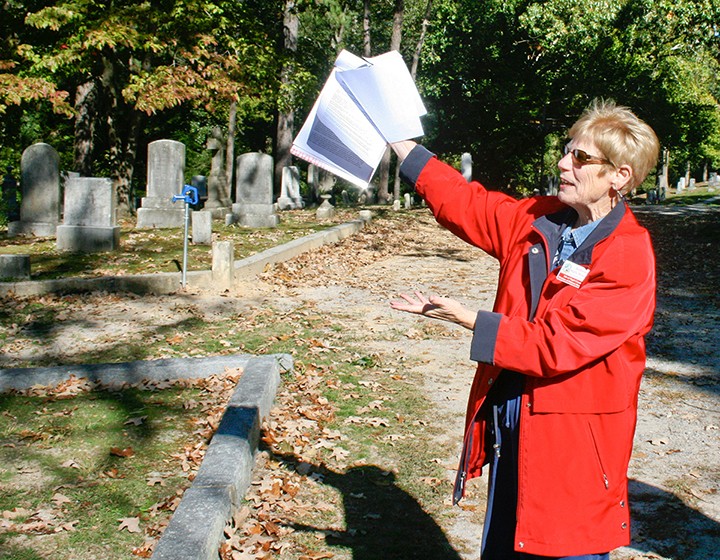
358,455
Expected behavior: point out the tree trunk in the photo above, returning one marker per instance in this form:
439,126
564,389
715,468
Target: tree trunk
86,107
286,112
395,42
121,153
366,29
413,73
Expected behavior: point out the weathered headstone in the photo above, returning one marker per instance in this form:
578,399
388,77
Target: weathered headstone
40,184
165,178
466,166
200,183
680,184
201,227
218,194
89,222
290,194
14,267
325,211
254,205
396,205
223,264
408,201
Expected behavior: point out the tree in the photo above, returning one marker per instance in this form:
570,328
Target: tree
126,63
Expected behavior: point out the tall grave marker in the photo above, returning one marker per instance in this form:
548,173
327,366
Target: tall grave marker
40,184
254,205
165,178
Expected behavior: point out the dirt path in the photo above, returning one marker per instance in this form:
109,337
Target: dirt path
675,471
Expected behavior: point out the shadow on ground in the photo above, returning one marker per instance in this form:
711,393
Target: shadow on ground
664,524
382,520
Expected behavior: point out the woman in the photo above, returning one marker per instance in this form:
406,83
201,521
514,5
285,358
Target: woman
553,406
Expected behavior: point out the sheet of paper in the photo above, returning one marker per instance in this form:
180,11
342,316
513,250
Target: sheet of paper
338,137
387,93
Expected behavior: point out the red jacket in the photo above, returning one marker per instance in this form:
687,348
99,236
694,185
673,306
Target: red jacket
581,349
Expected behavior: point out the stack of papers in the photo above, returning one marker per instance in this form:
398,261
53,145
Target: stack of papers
364,105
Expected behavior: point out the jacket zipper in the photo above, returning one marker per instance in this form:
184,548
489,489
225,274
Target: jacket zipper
606,482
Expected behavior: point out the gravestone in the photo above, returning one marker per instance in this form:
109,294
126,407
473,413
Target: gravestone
313,180
290,189
254,205
14,267
200,183
201,227
89,222
223,264
325,211
408,201
40,184
165,178
218,194
396,205
466,166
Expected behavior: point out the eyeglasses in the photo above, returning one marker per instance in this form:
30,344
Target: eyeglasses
583,158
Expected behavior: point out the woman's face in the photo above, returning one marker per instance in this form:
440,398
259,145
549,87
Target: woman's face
586,186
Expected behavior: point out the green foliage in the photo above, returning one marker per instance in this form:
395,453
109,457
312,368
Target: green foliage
501,79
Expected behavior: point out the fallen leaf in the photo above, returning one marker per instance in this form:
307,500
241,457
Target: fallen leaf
60,499
131,524
124,453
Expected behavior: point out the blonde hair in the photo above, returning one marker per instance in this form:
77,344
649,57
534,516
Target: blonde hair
623,138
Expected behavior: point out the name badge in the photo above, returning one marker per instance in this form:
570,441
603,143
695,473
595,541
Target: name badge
572,274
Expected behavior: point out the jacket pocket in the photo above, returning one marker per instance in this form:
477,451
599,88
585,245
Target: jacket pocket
598,457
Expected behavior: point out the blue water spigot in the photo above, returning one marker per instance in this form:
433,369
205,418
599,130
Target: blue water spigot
189,195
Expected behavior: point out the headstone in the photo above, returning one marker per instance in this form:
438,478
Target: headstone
201,227
218,193
325,211
680,184
345,197
14,267
89,223
200,183
290,194
408,201
223,264
691,184
165,177
466,166
254,205
365,215
40,184
313,180
396,205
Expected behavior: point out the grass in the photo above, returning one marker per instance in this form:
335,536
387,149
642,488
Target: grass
160,250
54,444
72,468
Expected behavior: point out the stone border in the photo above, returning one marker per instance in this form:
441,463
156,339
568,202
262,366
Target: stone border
169,282
196,528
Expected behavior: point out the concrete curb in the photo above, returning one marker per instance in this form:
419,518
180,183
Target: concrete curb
169,282
196,528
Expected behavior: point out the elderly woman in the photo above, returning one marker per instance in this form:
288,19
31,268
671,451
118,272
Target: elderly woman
553,406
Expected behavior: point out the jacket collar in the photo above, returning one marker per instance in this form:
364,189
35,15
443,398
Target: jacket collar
551,227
